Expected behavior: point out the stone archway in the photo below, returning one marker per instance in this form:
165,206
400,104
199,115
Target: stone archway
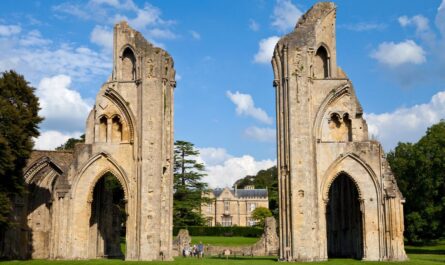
344,224
83,205
108,218
364,180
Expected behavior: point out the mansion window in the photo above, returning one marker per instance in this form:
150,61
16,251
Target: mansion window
226,206
251,221
227,221
209,208
251,207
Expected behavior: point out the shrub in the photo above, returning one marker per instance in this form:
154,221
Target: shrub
221,231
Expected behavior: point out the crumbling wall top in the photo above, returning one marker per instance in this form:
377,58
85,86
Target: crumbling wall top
304,33
316,12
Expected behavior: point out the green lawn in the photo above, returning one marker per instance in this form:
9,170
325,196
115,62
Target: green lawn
426,255
224,241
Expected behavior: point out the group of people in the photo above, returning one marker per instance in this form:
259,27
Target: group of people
195,251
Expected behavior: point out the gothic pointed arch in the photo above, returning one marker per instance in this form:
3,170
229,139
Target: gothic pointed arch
110,165
128,116
31,173
128,64
322,62
334,95
336,168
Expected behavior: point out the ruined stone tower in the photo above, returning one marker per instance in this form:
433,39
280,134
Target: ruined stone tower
70,213
338,196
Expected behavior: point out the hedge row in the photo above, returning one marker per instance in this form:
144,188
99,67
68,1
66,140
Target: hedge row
221,231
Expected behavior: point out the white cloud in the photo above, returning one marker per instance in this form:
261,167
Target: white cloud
261,134
440,18
245,106
146,16
9,30
74,10
113,3
420,22
103,37
212,156
36,57
396,54
223,169
161,34
195,35
285,15
147,19
61,106
253,25
410,123
49,140
364,26
34,38
266,48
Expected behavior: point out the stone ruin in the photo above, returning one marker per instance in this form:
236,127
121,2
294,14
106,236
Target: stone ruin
68,213
338,196
183,240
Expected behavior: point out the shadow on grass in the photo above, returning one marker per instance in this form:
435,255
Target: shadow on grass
410,250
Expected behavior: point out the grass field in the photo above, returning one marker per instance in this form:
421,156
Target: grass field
426,255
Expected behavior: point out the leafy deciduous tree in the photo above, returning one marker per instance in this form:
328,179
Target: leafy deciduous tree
19,121
260,214
420,172
70,143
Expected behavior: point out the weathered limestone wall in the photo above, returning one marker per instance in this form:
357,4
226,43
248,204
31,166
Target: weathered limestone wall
322,135
129,134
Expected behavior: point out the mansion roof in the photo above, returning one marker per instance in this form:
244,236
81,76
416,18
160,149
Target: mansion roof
243,193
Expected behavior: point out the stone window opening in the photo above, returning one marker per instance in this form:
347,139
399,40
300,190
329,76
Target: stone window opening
335,119
348,125
128,65
116,132
321,63
340,127
103,124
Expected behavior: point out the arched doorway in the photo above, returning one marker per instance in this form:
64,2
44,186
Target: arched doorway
108,219
344,220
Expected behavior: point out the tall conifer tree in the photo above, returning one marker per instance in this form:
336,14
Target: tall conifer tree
188,185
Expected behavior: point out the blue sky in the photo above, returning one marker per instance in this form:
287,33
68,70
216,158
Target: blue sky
393,51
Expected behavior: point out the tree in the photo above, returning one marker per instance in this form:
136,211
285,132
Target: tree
260,214
188,186
420,172
18,125
71,143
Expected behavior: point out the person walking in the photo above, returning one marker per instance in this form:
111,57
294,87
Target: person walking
200,250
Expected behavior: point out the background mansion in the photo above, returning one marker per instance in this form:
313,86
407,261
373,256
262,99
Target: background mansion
231,207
